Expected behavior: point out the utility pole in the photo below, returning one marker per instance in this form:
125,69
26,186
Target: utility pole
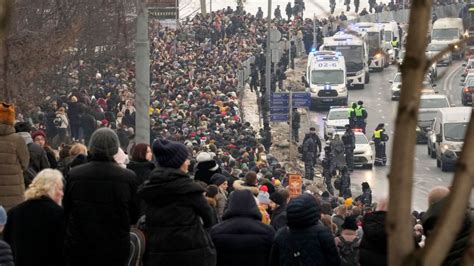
315,40
203,7
268,61
290,36
142,69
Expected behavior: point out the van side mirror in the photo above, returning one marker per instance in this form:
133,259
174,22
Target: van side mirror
390,81
439,138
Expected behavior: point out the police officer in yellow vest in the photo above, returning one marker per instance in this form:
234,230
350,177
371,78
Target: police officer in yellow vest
395,44
352,115
360,116
379,137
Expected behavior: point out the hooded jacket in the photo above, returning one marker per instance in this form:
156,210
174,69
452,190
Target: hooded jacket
305,235
176,215
461,242
14,159
242,239
373,246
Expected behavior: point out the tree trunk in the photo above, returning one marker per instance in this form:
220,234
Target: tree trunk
399,229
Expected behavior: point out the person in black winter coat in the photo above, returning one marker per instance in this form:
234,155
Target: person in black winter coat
304,235
88,123
35,229
366,196
373,247
279,202
74,114
177,212
6,257
141,162
100,204
242,239
345,190
38,157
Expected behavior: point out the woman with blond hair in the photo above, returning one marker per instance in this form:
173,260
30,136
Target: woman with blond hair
35,228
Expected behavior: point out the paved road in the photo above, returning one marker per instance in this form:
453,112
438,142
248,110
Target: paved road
381,108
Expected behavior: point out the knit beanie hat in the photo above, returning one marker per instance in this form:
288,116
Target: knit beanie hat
169,153
350,223
104,143
218,179
263,197
7,114
38,133
3,216
303,212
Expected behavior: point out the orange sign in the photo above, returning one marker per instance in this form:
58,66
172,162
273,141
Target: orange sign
295,185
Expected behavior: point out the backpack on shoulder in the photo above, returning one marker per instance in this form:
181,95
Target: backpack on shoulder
349,251
137,247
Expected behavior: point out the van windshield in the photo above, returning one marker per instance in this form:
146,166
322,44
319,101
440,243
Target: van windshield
445,34
374,42
353,55
321,77
455,131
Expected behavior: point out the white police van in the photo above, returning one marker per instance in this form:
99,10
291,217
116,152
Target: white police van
356,55
326,78
378,56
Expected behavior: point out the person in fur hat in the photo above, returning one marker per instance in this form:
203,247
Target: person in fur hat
14,161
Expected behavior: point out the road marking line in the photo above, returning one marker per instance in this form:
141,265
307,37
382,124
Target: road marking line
447,82
440,179
427,168
383,117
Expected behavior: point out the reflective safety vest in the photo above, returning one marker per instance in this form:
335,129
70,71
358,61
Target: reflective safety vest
395,43
378,133
350,112
359,111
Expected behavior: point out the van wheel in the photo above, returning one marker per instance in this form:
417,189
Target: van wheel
433,154
367,78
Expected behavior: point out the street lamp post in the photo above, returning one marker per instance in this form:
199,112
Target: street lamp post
142,71
268,61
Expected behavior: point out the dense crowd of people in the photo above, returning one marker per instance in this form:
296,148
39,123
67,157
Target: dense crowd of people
77,190
216,212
